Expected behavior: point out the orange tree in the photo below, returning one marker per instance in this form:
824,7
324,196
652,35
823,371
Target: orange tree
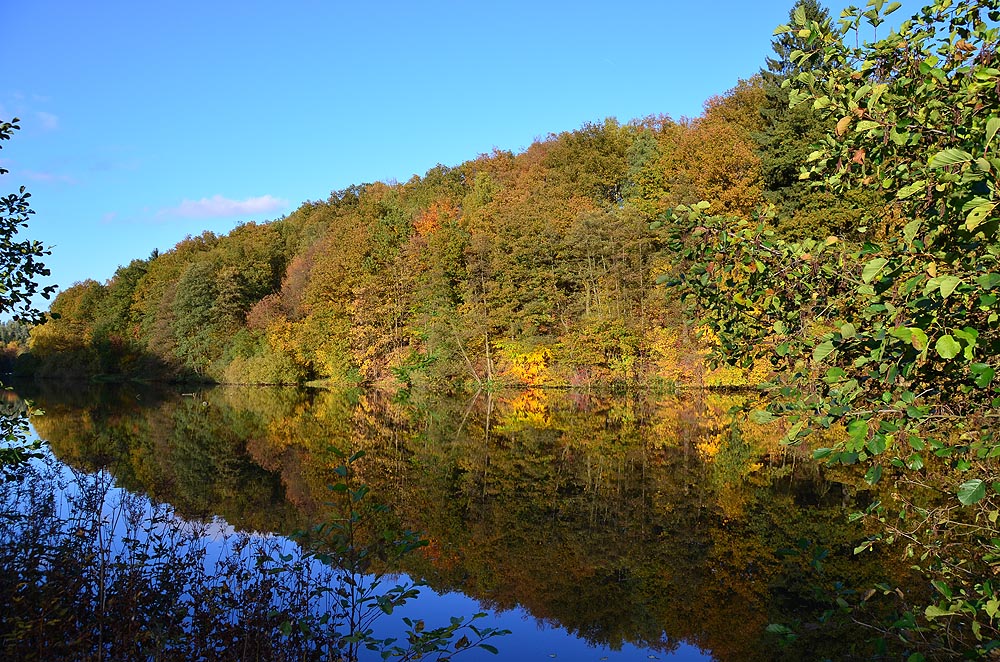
889,333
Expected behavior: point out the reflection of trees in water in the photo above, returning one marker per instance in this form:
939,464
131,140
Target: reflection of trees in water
90,572
623,519
17,447
11,405
182,449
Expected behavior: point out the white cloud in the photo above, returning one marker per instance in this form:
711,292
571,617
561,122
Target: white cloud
49,177
219,206
47,121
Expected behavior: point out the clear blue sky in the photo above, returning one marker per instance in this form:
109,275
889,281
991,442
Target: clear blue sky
143,122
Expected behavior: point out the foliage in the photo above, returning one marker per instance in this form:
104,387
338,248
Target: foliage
788,135
359,544
893,339
115,577
422,284
20,270
20,267
17,447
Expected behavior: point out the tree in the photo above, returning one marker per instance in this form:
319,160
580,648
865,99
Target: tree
891,343
20,269
789,134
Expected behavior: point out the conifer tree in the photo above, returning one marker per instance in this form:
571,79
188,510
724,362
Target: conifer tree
787,138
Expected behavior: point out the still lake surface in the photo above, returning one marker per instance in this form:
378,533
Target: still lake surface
594,527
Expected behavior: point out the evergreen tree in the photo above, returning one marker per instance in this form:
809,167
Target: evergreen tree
787,138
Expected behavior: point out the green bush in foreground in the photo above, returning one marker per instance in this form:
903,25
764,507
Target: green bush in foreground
889,333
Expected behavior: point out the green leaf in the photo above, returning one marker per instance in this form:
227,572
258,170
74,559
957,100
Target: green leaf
992,126
971,491
968,334
848,459
873,475
947,347
760,416
873,268
910,231
834,375
903,333
792,436
848,331
910,189
490,648
933,611
982,374
942,588
950,156
866,125
823,350
948,284
989,281
979,215
912,335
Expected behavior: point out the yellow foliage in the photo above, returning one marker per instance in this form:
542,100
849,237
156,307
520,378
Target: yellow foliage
726,375
665,352
709,448
527,366
529,408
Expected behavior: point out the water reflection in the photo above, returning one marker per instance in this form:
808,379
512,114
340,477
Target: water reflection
650,523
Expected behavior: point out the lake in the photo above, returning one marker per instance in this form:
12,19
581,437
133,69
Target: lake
592,526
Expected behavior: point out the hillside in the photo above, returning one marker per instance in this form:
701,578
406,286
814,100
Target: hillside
535,268
530,268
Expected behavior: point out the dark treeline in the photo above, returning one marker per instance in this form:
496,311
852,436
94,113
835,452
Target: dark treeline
530,268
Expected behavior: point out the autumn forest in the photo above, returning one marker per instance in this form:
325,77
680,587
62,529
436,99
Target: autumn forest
821,239
535,268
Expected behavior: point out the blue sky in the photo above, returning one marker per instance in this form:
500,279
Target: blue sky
144,122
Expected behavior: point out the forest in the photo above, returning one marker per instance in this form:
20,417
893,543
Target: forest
535,268
825,232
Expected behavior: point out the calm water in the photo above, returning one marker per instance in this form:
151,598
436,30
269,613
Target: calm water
593,527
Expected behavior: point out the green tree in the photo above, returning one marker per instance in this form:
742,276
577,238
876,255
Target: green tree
891,343
20,269
789,135
196,322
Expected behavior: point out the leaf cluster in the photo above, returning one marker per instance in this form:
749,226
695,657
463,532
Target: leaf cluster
892,338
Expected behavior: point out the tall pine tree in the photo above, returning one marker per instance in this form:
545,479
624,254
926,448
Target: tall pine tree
786,140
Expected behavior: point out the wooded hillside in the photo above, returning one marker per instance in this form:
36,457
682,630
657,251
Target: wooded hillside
530,268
